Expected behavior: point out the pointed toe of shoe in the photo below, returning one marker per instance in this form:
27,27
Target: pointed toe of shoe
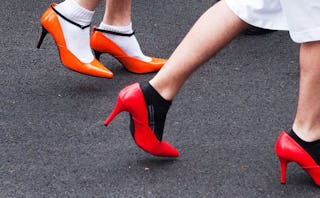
138,66
95,68
148,142
162,149
158,61
167,150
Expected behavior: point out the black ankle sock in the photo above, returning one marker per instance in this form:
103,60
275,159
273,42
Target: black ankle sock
313,148
157,108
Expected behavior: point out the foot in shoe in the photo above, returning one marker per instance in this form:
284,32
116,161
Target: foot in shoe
291,148
135,61
77,39
128,44
147,114
72,37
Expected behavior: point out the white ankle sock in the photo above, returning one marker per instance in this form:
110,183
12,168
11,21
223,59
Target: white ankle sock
77,39
128,44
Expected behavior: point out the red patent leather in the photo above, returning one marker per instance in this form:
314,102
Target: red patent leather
288,150
131,99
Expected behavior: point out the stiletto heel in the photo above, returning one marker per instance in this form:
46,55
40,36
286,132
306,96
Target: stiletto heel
131,99
43,35
99,42
117,109
289,150
50,23
283,170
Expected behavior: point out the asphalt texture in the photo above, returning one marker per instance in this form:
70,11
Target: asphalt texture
225,120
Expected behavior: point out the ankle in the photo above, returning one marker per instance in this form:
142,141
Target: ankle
166,91
75,12
117,20
306,132
125,29
89,5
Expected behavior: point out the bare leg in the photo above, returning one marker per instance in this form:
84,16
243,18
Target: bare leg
307,121
118,12
90,5
214,30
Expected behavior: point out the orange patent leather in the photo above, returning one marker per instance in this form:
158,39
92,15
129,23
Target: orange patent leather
131,99
50,23
101,44
288,150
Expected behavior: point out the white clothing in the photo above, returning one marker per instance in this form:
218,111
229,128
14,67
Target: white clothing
300,17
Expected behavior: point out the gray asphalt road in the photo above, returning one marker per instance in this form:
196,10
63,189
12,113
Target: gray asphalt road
224,121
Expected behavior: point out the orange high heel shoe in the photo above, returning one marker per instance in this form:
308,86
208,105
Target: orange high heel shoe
102,44
50,23
131,99
288,150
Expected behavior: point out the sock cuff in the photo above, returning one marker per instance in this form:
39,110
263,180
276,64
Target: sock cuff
312,148
73,11
154,95
301,141
120,29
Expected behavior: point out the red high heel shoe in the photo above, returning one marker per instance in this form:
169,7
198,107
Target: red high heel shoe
288,150
50,23
102,44
131,99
